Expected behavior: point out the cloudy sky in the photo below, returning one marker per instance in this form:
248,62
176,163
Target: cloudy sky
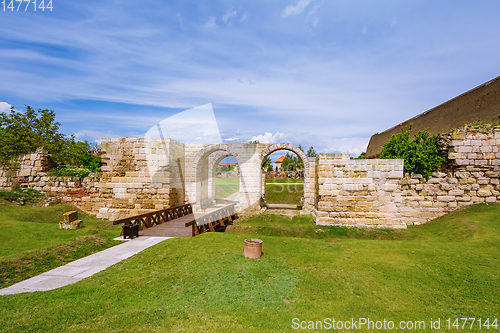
313,72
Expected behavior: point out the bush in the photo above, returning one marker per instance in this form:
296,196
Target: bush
421,154
22,194
68,171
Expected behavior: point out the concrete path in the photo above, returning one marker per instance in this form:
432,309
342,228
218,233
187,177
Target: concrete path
82,268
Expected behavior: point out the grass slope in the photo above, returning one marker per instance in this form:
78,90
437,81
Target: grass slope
224,187
32,243
447,268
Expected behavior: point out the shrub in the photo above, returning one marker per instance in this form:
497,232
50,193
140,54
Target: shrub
421,154
68,171
22,194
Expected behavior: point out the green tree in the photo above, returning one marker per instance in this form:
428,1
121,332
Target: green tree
361,156
25,132
291,163
421,154
267,163
311,152
81,153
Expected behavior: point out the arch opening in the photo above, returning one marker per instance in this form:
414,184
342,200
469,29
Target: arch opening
283,176
205,169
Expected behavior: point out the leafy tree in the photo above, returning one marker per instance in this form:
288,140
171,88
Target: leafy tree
311,152
267,163
291,163
254,141
421,154
81,153
361,156
25,132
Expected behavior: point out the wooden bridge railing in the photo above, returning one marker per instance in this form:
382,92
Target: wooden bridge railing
215,220
148,220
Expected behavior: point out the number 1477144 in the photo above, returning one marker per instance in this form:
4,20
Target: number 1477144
20,5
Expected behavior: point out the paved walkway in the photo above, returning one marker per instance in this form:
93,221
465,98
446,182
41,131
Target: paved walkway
82,268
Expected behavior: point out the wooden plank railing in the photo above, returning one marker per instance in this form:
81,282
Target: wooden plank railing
215,220
150,219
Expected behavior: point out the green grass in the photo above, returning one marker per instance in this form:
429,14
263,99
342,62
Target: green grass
32,243
224,187
447,268
284,193
283,180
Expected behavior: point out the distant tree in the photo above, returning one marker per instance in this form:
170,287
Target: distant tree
291,163
361,156
254,141
80,153
25,132
311,152
267,163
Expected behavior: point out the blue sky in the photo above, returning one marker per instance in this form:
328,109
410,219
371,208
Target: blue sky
323,73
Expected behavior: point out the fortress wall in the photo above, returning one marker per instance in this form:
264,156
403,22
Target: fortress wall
479,104
374,193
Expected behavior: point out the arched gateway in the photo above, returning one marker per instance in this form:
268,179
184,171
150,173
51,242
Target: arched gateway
185,172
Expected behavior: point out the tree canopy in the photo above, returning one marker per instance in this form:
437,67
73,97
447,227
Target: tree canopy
25,132
421,154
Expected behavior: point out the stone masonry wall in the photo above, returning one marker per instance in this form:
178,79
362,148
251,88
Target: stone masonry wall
140,175
375,192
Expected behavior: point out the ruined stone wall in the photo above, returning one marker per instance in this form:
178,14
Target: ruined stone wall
375,192
24,168
479,104
357,192
140,175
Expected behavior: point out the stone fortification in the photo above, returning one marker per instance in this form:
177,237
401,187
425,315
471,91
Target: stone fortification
375,192
479,104
140,175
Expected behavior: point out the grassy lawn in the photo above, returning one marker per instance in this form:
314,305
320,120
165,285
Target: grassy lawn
284,193
447,268
224,187
283,180
32,243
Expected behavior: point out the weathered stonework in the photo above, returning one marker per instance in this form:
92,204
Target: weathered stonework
375,193
140,175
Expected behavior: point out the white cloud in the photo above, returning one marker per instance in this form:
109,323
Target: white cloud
315,21
295,9
269,138
4,107
365,29
230,13
244,16
211,23
352,146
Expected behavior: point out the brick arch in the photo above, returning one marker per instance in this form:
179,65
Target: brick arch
208,150
286,146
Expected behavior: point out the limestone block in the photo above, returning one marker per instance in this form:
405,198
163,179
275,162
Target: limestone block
445,198
456,192
455,156
483,181
491,199
447,187
484,193
464,149
452,181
